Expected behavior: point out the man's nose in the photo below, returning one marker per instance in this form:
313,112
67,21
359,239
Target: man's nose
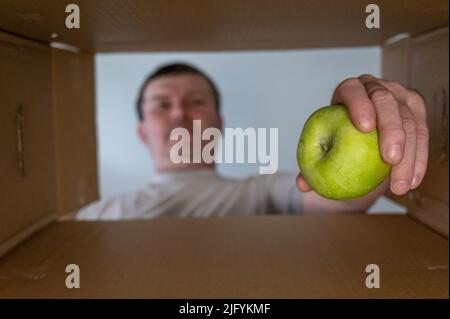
179,111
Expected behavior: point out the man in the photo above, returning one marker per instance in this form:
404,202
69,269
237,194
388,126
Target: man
176,94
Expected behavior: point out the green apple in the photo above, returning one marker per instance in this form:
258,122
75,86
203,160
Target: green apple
336,159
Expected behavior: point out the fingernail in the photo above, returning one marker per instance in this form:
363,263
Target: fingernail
366,122
401,186
393,152
414,182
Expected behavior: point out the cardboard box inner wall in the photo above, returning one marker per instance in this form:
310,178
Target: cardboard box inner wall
75,135
422,63
27,165
49,156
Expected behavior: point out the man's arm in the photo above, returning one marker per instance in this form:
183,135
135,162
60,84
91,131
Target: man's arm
399,114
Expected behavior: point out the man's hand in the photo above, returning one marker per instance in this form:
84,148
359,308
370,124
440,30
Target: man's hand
399,114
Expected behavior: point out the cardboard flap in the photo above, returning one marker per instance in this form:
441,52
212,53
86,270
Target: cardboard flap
133,25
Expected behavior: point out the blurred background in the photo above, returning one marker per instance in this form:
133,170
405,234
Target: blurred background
258,89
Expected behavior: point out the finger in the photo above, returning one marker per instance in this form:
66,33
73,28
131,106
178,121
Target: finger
402,173
302,184
411,97
389,121
421,154
416,104
418,108
352,93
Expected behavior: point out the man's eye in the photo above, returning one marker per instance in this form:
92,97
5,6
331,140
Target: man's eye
198,102
162,106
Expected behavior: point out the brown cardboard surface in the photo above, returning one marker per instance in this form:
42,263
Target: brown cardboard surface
27,191
75,132
395,61
422,63
429,74
138,25
255,257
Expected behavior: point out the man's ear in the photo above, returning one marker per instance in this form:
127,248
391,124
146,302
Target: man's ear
141,132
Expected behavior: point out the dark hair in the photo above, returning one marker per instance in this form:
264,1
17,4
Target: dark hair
174,69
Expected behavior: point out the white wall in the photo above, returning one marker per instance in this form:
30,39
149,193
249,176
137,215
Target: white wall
259,89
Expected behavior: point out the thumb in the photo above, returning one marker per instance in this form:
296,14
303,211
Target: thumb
302,185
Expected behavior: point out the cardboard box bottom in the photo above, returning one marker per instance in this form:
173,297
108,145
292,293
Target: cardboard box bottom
309,256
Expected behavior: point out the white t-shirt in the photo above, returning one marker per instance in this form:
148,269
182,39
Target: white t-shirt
201,193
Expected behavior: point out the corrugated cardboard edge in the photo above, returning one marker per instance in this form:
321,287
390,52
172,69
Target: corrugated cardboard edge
12,242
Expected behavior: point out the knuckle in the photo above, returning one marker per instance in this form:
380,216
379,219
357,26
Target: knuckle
402,171
416,100
382,96
416,97
422,166
423,133
396,86
409,125
366,76
395,133
349,82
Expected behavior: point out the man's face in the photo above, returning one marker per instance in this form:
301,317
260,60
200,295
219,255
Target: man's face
175,101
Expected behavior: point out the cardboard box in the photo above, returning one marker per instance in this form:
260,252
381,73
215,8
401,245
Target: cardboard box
268,257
